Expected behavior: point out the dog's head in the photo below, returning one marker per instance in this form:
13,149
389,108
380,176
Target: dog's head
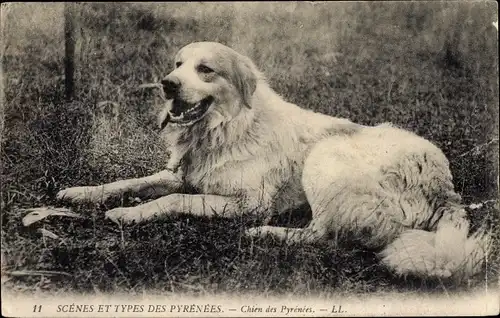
210,80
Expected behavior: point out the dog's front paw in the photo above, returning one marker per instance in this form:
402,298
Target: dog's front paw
257,232
82,194
126,215
252,232
442,273
445,270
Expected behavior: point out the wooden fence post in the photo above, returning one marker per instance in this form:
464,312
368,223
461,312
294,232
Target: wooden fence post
69,50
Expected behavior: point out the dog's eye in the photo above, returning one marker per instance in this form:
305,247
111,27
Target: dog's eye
178,64
204,69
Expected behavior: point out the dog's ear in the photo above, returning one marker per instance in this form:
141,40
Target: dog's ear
245,78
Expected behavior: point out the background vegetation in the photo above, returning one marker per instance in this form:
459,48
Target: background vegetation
431,68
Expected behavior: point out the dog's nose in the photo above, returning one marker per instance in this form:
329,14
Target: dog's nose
171,85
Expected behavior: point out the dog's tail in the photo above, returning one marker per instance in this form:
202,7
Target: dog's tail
449,252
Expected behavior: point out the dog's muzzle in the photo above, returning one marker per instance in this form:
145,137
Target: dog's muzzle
184,113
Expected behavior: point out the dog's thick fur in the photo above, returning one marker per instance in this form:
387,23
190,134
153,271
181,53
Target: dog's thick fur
252,151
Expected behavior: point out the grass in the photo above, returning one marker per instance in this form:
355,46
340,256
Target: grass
431,68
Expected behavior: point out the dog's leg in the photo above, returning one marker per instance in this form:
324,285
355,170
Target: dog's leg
200,205
159,184
310,234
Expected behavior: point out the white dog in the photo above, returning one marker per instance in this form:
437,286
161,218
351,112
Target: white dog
244,149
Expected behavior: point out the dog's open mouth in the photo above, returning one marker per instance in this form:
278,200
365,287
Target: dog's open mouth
187,113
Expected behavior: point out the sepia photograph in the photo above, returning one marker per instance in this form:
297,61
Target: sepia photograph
250,159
